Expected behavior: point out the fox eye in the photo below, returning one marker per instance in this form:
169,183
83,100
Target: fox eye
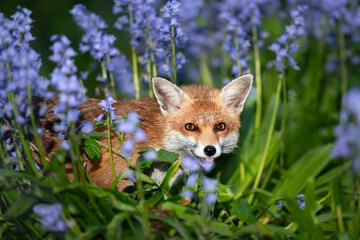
191,127
220,126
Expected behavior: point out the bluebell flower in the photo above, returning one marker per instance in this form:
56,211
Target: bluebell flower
238,18
280,205
107,108
347,132
130,126
209,185
24,65
63,79
190,164
150,155
300,200
186,193
86,127
210,199
191,180
100,117
127,148
207,166
285,46
50,217
130,174
123,76
95,40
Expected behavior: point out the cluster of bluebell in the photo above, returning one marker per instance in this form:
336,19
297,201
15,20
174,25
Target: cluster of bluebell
19,81
130,125
285,45
50,217
238,19
66,82
347,143
19,67
151,35
300,200
101,47
209,185
323,16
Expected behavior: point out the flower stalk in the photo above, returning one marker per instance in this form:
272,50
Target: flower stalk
257,78
173,53
268,138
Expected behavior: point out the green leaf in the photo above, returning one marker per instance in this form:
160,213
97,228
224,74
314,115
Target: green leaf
19,206
92,149
224,192
304,220
308,166
169,174
243,210
114,229
97,134
166,156
190,214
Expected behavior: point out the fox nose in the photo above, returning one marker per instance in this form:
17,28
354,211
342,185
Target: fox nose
209,150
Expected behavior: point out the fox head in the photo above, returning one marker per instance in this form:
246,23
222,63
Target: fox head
201,121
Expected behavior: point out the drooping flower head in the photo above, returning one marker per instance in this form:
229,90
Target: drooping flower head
19,67
50,217
101,46
238,19
64,80
131,126
347,132
285,45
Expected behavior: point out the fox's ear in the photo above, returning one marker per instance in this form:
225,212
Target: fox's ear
168,95
235,93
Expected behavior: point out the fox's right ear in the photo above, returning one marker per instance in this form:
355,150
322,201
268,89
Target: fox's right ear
168,95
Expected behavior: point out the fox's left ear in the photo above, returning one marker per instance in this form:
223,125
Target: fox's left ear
235,93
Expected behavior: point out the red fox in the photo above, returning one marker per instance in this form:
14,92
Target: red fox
197,121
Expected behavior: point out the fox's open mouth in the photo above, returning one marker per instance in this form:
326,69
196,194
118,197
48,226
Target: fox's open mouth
209,160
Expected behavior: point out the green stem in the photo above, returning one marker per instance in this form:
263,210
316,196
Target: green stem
268,139
2,155
140,191
78,154
110,149
25,143
167,61
152,56
237,52
33,124
258,79
115,151
173,52
148,66
343,69
134,60
111,74
104,75
283,121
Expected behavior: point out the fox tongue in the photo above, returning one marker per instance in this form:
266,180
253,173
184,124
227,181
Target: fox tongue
210,160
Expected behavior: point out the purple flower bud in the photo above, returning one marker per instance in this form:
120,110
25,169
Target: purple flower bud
190,164
186,193
210,199
150,155
209,184
192,180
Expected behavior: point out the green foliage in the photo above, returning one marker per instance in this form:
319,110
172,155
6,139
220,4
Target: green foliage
92,149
